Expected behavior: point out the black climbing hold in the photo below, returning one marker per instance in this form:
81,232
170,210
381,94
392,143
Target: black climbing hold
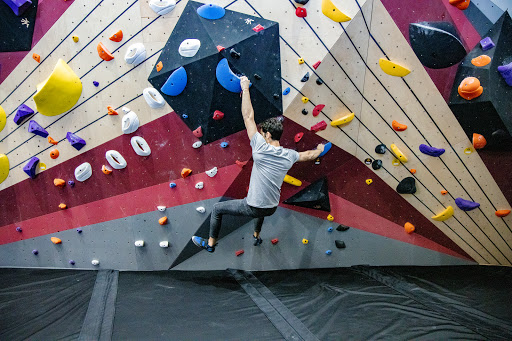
276,96
305,78
314,196
368,161
319,81
302,2
377,164
380,149
234,54
340,244
304,111
342,227
257,77
407,186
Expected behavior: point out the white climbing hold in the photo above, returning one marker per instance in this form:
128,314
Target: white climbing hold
161,208
189,47
135,54
83,172
115,159
95,262
212,172
197,144
140,146
162,7
200,185
164,243
139,243
201,209
130,121
153,98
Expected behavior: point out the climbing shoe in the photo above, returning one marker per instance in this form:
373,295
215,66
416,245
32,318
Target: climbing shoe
203,243
257,241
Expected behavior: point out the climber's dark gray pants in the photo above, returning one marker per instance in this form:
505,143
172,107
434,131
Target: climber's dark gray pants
237,208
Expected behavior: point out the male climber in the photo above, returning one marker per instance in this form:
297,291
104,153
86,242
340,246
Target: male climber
271,163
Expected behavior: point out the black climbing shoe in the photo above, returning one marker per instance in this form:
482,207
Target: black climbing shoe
257,241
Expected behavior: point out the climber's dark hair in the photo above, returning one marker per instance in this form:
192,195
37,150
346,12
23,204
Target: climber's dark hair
274,126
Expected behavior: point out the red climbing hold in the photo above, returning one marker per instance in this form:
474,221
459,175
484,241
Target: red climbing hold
218,115
239,252
275,241
220,48
298,137
258,28
301,12
319,126
240,163
479,141
316,65
198,132
318,109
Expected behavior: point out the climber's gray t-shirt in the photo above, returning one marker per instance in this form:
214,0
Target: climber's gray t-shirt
270,166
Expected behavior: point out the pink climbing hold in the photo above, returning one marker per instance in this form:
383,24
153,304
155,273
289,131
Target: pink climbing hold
301,12
318,109
258,28
316,65
319,126
198,132
218,115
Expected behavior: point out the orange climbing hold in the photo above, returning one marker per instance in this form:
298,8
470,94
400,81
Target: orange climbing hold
54,154
111,111
470,88
444,192
482,60
104,53
413,171
63,206
502,213
398,126
106,170
460,4
52,141
240,163
59,182
162,221
56,240
159,66
36,57
409,228
185,172
117,37
479,141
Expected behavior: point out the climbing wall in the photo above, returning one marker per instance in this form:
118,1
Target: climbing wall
108,213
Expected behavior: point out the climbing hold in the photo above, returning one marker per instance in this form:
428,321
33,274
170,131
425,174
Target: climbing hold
487,43
431,150
224,144
220,48
201,209
292,181
95,262
36,57
447,213
36,129
412,170
481,60
342,228
377,164
258,28
368,161
304,111
274,241
140,146
35,252
198,132
211,11
368,181
22,112
301,12
276,96
398,154
218,115
42,166
161,208
305,100
330,229
75,39
176,82
63,206
199,185
393,69
139,243
340,244
407,186
59,183
83,172
130,122
71,183
328,252
115,159
319,126
506,72
76,141
29,168
159,66
305,78
18,229
104,53
239,252
56,240
502,213
409,228
117,37
96,84
315,196
172,185
162,7
327,147
106,170
18,7
240,163
332,12
4,167
234,54
479,141
212,172
470,88
298,137
164,243
52,141
72,262
468,151
153,98
398,126
330,218
135,54
380,149
444,192
286,91
317,109
189,47
343,120
227,78
305,241
460,4
300,60
162,221
185,172
316,65
301,2
59,92
466,205
197,144
319,81
111,111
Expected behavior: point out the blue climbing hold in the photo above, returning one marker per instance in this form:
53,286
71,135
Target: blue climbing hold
328,252
76,141
176,82
329,229
466,205
286,91
22,112
71,183
224,144
327,147
172,185
431,150
96,84
35,128
185,116
227,78
211,11
31,166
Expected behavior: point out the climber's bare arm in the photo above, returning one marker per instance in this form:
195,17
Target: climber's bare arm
247,110
311,155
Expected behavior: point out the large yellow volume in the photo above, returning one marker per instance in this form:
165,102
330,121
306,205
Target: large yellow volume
3,118
4,167
447,213
393,69
332,12
59,92
292,181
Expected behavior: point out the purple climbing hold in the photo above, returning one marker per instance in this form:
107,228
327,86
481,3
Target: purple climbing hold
22,112
35,252
431,150
79,230
72,262
35,128
71,183
466,205
18,6
18,229
30,167
96,84
506,72
487,43
75,140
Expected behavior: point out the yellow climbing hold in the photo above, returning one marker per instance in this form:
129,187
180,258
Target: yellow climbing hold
393,69
369,181
395,162
343,120
305,99
59,92
399,155
301,60
332,12
3,118
468,151
292,181
42,166
330,218
75,39
305,241
447,213
4,167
